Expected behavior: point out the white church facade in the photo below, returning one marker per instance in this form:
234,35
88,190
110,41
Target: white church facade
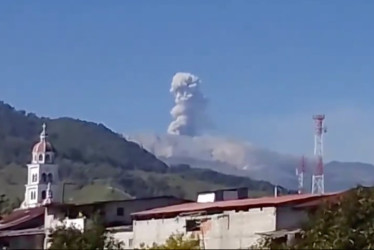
43,182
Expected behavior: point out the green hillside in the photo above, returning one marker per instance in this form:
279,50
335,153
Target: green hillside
99,163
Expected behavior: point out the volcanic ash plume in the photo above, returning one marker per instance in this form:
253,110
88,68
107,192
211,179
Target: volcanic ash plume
190,104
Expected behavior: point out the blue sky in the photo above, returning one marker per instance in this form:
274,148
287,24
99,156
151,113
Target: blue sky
266,66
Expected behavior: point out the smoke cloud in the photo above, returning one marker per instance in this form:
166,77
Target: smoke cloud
190,105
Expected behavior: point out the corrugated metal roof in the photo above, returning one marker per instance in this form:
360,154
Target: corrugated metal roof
318,202
231,204
20,216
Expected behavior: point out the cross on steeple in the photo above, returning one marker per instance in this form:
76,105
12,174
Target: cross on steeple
43,134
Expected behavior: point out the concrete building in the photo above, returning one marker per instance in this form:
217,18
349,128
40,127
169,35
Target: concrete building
227,224
115,215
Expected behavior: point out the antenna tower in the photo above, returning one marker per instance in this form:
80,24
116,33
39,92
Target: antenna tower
300,170
318,185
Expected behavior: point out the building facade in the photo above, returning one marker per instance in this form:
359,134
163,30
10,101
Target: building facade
227,224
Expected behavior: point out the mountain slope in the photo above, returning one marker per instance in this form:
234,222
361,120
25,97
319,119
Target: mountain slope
343,175
95,158
243,159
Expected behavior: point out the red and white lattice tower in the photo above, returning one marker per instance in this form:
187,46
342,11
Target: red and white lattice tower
300,170
318,185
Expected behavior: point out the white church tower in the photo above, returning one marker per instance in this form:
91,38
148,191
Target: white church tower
43,184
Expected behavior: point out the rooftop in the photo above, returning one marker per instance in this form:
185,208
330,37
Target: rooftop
20,216
229,205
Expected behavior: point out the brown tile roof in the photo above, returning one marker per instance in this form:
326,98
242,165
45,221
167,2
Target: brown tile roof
42,147
229,205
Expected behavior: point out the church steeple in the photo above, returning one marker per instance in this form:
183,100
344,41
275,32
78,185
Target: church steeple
43,181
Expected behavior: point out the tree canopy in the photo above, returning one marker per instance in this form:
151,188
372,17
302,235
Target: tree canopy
93,238
176,241
345,223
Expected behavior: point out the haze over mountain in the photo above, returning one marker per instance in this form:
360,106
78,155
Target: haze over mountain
186,143
100,163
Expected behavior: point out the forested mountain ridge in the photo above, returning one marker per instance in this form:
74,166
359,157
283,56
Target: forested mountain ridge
99,162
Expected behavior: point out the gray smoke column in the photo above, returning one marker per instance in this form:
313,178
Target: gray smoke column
190,105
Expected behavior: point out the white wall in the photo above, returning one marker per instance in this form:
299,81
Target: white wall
38,187
125,237
150,231
52,216
78,223
231,230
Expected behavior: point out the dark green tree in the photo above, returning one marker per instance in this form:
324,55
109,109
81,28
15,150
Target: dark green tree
6,205
95,237
346,222
176,241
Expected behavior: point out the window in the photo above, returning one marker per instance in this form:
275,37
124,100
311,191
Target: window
32,195
120,211
44,194
44,178
40,157
50,178
47,158
192,225
34,178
